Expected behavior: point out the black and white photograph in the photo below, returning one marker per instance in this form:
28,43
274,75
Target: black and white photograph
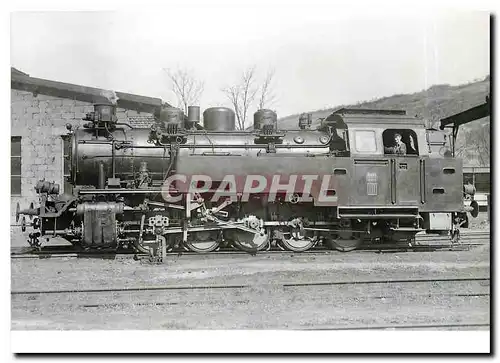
244,172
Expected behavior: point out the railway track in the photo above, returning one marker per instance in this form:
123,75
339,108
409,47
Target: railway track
424,303
422,243
484,280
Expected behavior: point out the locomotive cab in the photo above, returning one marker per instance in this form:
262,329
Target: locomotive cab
396,177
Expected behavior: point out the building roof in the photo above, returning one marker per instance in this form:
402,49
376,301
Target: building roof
18,72
24,82
141,121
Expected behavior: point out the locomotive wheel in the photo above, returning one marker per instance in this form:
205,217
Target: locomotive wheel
344,243
146,245
297,241
475,210
203,242
248,241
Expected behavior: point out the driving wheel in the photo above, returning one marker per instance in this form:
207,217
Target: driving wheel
249,241
202,242
297,240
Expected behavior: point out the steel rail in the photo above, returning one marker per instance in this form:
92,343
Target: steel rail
117,256
247,286
468,239
47,254
240,301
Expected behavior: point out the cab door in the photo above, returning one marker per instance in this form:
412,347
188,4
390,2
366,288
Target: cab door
405,183
370,185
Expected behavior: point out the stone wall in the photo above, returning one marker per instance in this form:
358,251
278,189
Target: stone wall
41,121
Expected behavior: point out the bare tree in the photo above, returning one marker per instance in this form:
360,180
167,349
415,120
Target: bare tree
480,139
267,96
186,87
242,95
474,145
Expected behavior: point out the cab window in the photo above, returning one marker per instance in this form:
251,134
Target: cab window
365,141
400,142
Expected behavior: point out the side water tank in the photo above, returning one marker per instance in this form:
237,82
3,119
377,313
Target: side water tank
219,119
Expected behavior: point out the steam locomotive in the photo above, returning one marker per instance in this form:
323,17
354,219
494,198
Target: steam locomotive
178,184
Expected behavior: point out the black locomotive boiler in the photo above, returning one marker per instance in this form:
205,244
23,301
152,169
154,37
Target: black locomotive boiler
360,175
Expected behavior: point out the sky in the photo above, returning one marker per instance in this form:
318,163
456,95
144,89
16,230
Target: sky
321,57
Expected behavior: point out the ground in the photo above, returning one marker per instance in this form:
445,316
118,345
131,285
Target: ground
261,292
481,222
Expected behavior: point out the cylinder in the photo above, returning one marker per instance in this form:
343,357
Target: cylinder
105,112
219,119
44,186
193,114
110,207
263,118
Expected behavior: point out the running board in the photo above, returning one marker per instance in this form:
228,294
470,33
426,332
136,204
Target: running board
407,229
378,216
378,212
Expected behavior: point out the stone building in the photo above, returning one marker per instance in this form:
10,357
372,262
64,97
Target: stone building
40,110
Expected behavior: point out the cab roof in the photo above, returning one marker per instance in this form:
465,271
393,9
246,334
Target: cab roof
377,118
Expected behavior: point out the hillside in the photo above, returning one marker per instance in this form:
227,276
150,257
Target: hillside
437,102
